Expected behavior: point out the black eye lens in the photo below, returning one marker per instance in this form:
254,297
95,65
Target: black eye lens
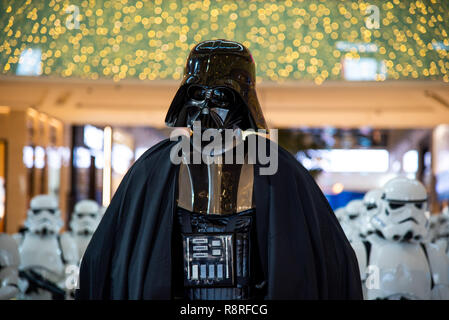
38,211
419,205
394,206
371,206
197,93
92,215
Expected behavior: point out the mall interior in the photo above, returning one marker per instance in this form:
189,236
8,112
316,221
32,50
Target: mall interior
359,91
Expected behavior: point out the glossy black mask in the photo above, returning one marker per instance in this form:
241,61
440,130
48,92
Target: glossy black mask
214,108
218,65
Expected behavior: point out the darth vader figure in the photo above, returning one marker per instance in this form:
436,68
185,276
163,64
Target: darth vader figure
217,230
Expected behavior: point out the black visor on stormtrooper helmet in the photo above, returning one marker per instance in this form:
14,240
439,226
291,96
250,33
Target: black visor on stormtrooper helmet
219,69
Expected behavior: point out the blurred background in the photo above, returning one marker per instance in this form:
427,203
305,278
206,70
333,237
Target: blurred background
358,89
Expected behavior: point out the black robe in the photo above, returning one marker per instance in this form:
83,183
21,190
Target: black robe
303,250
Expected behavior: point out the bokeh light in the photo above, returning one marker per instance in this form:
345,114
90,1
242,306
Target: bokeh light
290,40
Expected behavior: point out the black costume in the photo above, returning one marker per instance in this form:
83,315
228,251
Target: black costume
199,231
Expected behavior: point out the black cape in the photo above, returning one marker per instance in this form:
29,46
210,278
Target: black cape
304,252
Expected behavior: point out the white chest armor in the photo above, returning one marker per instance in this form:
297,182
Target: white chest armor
43,254
403,271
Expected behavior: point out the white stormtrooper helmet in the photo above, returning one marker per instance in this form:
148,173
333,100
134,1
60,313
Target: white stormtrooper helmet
354,209
371,208
85,218
345,223
402,211
44,216
340,213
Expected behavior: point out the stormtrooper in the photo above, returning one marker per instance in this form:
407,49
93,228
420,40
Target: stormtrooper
342,218
349,217
85,219
398,262
9,267
213,230
435,227
371,205
367,208
441,229
353,216
44,254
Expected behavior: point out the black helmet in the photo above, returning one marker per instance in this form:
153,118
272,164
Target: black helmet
219,63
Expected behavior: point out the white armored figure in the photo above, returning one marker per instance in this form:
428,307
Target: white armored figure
348,216
347,219
342,217
84,222
353,212
441,232
354,219
371,206
368,208
9,267
402,264
435,223
44,253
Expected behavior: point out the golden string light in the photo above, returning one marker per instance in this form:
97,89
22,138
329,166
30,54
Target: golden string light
290,40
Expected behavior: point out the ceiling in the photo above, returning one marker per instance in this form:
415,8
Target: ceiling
388,104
